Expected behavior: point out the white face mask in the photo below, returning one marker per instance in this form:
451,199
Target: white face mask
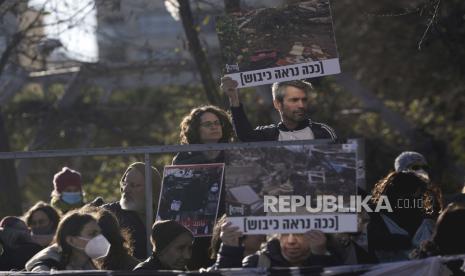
97,247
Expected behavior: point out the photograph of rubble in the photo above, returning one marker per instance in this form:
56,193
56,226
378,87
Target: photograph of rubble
190,194
311,170
269,37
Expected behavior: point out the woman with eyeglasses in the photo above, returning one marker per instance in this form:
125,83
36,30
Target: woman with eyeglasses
204,125
78,243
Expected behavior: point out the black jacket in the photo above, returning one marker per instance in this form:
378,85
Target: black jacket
273,254
196,157
246,133
229,257
152,263
131,221
15,257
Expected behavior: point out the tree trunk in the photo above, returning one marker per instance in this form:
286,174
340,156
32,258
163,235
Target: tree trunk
10,195
232,6
198,54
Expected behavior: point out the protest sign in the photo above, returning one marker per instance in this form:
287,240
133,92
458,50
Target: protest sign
269,44
280,189
190,194
328,223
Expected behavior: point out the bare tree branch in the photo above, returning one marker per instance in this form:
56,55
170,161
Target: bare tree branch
198,54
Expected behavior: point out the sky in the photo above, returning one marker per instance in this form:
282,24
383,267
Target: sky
74,24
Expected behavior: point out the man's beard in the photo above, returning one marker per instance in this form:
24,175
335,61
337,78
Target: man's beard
131,205
294,117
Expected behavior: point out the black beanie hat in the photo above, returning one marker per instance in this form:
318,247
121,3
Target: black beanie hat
166,231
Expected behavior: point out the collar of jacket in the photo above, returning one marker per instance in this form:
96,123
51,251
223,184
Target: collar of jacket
301,125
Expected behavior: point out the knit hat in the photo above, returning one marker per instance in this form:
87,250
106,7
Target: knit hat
166,231
66,178
408,158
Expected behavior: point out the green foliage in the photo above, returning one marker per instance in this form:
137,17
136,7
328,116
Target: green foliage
148,116
381,50
378,43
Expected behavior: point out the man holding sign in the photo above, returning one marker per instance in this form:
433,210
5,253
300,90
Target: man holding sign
290,100
285,250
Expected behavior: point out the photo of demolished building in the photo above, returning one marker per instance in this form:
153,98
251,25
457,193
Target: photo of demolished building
292,170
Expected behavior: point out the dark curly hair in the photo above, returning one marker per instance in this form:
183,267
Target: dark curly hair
190,125
397,184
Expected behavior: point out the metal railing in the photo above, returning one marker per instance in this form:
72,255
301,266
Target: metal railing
146,151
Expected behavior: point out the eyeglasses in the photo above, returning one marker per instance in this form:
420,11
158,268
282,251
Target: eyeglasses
209,124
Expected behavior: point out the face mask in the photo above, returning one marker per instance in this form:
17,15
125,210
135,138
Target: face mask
71,197
43,240
97,247
46,230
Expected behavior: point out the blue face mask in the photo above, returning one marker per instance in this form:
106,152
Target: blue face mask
71,197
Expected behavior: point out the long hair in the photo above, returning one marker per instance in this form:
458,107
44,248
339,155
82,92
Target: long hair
71,225
397,184
52,213
450,227
447,237
190,125
215,241
121,246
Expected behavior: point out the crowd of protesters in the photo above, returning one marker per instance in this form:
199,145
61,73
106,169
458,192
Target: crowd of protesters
69,234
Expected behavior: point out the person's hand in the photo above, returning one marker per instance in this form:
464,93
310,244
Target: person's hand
317,242
229,87
230,234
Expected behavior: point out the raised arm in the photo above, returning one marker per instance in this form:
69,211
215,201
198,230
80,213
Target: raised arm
244,130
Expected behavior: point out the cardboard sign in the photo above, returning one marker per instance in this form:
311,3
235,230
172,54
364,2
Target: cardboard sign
190,194
309,172
267,44
328,223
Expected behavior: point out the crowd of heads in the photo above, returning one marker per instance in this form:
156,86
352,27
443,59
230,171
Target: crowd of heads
69,234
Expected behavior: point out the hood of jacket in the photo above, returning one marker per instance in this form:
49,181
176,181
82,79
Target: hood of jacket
52,252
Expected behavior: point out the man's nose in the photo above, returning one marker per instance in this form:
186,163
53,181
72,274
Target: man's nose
291,238
301,104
